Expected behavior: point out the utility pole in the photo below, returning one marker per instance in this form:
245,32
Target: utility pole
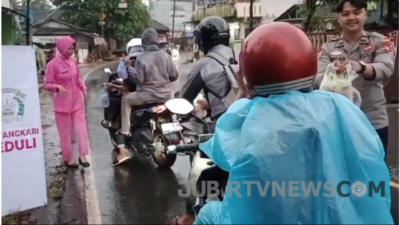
28,22
251,15
173,22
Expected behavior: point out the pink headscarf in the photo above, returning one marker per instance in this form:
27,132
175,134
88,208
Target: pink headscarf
63,44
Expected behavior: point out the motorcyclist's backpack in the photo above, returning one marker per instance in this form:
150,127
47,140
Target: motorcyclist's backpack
231,67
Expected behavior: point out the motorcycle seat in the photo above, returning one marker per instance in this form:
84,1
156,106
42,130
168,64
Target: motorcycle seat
145,107
150,104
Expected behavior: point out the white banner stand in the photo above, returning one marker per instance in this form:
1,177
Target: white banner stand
22,161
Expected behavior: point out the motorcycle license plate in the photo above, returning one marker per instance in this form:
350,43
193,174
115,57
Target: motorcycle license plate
171,127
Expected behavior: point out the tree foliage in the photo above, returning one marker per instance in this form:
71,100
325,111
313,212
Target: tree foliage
119,23
309,7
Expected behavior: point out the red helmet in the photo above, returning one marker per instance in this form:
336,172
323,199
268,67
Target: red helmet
276,58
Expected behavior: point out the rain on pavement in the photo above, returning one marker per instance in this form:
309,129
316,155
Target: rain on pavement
138,193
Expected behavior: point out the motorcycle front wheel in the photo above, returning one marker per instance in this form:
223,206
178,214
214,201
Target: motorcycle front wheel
160,156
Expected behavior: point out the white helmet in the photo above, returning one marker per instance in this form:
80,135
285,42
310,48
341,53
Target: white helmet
133,42
134,47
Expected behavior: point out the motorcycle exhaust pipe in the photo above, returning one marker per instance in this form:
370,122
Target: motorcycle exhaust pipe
174,149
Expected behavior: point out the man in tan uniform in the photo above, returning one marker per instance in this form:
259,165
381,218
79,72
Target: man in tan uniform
370,54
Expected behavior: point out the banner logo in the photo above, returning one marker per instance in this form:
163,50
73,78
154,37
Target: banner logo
12,105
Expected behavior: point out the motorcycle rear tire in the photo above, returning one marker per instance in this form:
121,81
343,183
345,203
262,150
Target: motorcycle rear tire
163,161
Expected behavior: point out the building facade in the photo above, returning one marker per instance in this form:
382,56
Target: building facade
235,12
163,11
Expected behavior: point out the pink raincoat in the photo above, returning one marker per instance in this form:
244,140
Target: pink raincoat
63,71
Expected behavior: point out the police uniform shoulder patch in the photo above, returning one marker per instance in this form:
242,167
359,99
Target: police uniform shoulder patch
380,39
387,45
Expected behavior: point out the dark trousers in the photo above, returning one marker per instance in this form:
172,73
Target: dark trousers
384,136
113,111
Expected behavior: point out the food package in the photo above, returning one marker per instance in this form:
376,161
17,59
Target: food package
341,83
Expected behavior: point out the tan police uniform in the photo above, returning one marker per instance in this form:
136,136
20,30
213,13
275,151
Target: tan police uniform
374,49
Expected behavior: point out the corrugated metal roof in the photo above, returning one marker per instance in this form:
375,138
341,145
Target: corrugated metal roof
159,26
41,16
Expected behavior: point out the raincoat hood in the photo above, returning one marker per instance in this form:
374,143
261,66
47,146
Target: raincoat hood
150,40
63,44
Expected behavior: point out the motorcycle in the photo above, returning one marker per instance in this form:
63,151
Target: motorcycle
156,125
203,170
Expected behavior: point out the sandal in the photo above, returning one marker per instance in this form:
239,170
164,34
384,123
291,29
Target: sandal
84,164
118,162
106,124
72,165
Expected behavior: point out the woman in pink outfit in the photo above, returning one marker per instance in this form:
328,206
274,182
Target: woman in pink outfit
63,79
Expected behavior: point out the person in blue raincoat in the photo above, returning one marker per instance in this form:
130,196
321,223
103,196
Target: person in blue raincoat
288,133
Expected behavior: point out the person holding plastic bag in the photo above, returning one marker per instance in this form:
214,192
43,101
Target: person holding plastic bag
290,135
341,83
153,74
122,70
370,55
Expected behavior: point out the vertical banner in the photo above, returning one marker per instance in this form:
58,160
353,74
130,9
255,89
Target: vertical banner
22,161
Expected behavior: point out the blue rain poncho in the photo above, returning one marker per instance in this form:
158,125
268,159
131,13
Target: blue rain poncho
299,137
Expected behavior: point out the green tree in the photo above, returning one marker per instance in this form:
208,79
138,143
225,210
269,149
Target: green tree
119,23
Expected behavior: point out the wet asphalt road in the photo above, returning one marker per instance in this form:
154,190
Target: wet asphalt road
138,193
135,192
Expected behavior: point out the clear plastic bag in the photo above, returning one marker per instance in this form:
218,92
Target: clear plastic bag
105,100
341,83
121,70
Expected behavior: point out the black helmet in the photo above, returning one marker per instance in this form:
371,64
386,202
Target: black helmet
214,30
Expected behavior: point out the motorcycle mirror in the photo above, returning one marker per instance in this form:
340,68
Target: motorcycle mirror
107,70
179,106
